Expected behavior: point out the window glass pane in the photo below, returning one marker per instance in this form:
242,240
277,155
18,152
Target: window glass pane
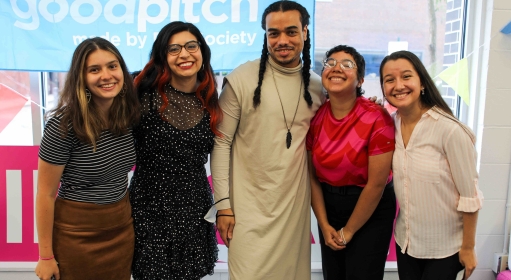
15,109
54,85
431,29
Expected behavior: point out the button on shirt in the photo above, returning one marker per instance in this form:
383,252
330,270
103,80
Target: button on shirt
435,181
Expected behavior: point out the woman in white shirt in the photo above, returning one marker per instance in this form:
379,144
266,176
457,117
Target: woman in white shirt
435,175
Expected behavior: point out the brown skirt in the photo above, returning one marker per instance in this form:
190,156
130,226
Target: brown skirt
93,241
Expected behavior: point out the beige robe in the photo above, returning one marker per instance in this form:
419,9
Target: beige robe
268,184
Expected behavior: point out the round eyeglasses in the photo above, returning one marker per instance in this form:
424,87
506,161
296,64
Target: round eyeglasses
345,64
191,47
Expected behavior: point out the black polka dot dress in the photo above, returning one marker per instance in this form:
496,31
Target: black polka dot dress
169,191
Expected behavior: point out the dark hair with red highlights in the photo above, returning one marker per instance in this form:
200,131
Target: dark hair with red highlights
156,73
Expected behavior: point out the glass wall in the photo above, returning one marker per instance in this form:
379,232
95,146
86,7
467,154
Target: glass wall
25,97
15,109
431,29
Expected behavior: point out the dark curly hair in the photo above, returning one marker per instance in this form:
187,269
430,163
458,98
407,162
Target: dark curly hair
359,60
284,6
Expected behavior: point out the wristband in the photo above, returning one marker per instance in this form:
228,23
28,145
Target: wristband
341,232
47,259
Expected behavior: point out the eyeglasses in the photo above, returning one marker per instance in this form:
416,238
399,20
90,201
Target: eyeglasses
191,47
345,64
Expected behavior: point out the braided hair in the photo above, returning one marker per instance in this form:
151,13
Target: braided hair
284,6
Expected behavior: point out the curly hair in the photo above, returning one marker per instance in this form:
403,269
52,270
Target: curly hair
359,61
156,73
284,6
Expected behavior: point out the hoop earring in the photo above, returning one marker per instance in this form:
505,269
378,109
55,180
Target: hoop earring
122,93
88,95
202,68
422,91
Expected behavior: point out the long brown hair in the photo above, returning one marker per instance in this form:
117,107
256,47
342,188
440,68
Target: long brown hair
431,96
74,108
156,73
431,99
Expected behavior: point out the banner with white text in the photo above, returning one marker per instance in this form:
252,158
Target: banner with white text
41,35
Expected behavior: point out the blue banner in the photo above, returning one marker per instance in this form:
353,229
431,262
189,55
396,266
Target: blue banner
41,35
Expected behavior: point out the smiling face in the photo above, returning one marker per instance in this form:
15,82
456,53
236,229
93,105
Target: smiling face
337,80
401,84
103,76
285,36
185,65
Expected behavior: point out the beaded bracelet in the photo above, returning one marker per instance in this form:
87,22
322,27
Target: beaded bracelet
342,236
46,259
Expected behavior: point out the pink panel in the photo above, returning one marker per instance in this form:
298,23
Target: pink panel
23,158
504,275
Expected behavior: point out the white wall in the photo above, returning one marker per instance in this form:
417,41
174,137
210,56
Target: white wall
492,120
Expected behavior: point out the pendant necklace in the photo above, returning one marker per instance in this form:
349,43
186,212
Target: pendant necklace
289,137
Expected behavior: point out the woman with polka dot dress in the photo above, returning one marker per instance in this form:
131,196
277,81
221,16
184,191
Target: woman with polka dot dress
169,191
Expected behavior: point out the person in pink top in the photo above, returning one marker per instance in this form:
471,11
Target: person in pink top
435,176
350,144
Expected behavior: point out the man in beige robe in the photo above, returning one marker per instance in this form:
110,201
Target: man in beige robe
259,166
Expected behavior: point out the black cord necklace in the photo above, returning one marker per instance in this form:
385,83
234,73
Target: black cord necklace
289,137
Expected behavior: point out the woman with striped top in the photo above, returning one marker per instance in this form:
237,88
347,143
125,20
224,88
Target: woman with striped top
88,148
435,175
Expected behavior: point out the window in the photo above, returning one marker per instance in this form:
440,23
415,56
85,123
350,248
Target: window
431,29
15,109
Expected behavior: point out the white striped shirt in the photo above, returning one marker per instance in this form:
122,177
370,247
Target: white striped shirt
99,177
435,180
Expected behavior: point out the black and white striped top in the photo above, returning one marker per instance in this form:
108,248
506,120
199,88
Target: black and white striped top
99,177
